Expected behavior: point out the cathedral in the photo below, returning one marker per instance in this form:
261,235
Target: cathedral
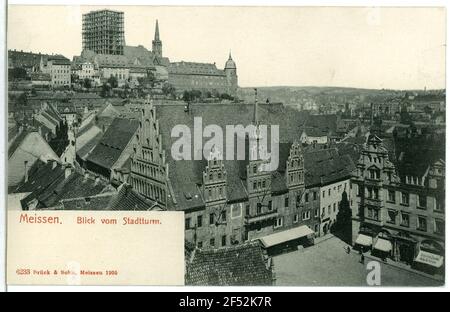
128,63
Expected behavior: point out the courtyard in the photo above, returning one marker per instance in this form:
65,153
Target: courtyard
328,264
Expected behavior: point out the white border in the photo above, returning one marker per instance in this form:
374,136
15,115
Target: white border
359,3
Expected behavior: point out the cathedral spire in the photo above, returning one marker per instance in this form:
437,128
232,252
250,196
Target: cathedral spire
156,31
156,43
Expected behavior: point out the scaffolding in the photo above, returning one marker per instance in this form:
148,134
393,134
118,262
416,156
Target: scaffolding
103,32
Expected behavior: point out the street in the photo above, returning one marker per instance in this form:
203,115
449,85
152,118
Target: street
328,264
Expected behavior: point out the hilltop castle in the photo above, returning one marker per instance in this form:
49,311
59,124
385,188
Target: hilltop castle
104,47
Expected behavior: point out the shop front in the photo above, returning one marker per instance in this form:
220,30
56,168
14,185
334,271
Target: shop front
404,248
363,242
383,245
430,258
288,240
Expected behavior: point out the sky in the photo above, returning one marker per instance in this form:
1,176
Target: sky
393,48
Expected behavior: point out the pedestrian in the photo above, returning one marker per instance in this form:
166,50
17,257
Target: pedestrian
362,259
348,249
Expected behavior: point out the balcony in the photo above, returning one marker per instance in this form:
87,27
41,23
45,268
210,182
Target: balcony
373,202
261,217
374,221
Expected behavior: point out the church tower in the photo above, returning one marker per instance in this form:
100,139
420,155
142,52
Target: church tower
231,73
157,43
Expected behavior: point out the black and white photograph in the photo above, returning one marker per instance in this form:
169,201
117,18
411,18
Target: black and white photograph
225,145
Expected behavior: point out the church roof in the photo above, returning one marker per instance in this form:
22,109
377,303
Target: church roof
191,68
113,142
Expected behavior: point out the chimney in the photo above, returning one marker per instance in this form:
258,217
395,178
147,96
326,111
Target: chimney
97,180
67,171
86,176
54,163
26,170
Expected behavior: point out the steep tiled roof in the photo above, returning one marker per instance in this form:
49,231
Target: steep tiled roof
231,266
16,142
96,202
49,186
288,120
415,155
190,68
327,166
128,199
113,142
324,123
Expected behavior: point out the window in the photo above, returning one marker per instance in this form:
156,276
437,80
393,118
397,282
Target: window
278,222
269,205
314,195
224,240
254,169
211,218
392,216
438,205
296,218
334,207
329,209
373,213
199,221
439,226
405,220
306,197
306,215
247,210
200,244
316,213
264,184
258,208
405,198
323,194
423,201
391,196
187,223
236,210
254,185
224,215
329,192
212,242
422,223
286,202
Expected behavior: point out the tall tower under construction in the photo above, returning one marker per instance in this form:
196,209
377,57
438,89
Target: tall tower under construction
103,32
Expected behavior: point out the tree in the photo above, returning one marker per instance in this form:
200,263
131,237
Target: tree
106,90
343,225
87,83
17,73
22,99
168,89
113,82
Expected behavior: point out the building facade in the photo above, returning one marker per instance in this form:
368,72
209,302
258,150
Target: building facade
204,77
406,209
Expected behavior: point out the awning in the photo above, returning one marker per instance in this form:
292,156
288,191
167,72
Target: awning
285,236
363,240
383,245
430,259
